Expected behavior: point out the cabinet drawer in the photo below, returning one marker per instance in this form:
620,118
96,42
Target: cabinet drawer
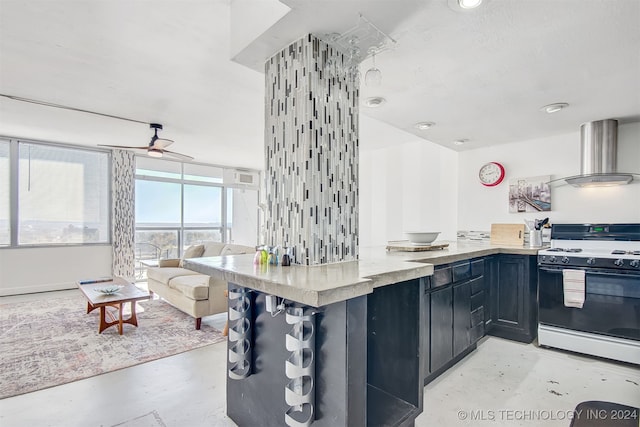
441,277
477,301
477,285
427,283
477,317
476,332
477,268
461,271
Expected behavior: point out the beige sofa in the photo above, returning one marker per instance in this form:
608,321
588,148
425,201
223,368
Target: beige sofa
196,294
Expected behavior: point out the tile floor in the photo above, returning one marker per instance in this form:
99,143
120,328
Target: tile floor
502,383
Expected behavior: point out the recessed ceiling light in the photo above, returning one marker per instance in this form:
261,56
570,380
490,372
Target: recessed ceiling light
554,108
424,125
469,4
375,101
460,141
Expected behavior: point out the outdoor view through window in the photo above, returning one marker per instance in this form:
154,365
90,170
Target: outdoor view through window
180,204
5,237
62,195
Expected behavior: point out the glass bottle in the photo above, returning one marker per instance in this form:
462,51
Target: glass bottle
286,257
276,256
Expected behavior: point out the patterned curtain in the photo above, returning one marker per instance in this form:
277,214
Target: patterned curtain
123,169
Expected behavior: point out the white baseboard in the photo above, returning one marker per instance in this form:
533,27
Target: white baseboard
32,289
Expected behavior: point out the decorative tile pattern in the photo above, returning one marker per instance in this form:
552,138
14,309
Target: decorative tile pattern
311,148
470,235
123,168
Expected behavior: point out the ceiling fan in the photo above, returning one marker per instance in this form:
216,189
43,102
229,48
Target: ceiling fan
157,146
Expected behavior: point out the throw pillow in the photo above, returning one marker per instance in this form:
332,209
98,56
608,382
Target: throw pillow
236,250
193,251
212,248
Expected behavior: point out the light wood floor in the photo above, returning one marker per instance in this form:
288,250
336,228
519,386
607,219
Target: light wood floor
503,383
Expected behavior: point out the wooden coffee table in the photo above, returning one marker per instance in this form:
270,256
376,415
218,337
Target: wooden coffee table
128,293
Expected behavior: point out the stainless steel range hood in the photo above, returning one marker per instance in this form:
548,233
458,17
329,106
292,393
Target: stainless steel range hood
599,156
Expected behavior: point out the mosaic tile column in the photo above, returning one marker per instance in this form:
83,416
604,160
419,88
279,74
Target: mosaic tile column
123,169
311,149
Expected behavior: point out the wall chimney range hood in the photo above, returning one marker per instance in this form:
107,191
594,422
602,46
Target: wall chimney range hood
598,156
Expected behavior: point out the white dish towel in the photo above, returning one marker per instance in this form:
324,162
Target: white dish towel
573,286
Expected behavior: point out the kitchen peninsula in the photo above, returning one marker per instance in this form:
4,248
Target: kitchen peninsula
343,344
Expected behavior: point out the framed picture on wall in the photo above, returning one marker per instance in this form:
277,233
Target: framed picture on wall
530,194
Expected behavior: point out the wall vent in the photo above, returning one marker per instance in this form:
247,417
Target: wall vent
243,178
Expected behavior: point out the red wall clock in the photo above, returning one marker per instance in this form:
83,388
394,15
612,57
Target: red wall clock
491,174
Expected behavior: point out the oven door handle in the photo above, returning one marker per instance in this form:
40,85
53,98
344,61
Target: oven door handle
591,271
559,269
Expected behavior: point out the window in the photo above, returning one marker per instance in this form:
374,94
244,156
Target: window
180,204
158,204
202,206
62,195
177,205
5,225
204,173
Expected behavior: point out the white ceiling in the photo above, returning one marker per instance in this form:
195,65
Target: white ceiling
480,75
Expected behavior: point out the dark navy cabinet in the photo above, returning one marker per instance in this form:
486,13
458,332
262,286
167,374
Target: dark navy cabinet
367,355
461,317
513,288
454,314
441,328
468,299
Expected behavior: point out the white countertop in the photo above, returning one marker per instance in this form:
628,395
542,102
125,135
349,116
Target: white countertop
329,283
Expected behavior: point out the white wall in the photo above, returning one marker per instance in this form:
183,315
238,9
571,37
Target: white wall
404,187
418,185
245,217
558,156
28,270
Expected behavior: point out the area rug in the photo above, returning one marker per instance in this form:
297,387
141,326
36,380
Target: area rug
45,343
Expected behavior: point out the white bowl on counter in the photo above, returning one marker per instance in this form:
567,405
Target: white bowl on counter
422,237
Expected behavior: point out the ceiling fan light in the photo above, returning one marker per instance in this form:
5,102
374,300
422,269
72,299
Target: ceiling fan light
154,152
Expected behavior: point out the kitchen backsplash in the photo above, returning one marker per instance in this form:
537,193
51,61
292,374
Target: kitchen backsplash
474,235
485,236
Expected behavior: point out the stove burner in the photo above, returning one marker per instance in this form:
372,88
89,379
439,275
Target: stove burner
573,250
635,253
564,250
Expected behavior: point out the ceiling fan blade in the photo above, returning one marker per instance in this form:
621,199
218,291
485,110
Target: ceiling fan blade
177,155
123,146
161,143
